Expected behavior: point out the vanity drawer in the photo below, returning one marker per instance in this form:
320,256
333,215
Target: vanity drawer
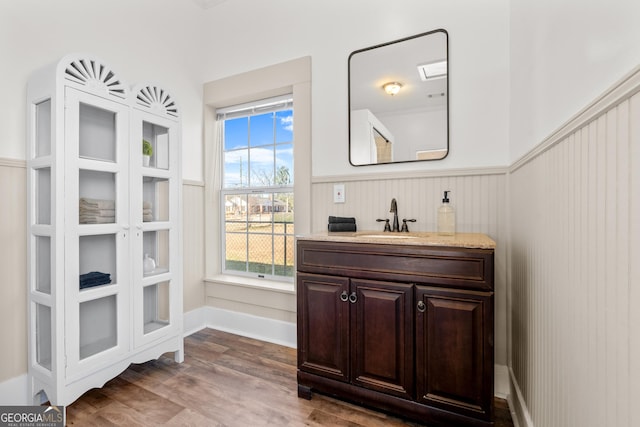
447,266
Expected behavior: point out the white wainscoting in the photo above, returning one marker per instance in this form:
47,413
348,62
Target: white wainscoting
193,244
575,275
13,270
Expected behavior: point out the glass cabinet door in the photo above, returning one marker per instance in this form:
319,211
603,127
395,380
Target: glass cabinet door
97,230
154,201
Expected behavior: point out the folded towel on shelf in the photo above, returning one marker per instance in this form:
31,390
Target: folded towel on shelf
88,203
341,220
96,211
95,278
147,214
342,226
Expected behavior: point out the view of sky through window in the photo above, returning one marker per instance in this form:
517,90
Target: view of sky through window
258,199
258,150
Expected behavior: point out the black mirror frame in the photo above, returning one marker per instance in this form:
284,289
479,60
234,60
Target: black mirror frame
439,30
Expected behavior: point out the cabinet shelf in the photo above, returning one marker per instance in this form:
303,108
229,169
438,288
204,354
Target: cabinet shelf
155,272
88,288
98,229
97,165
154,326
97,292
96,347
155,173
156,226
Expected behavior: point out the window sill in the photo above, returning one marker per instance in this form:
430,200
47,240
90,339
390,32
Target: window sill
249,282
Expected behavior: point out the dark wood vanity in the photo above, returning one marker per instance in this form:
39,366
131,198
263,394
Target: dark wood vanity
400,325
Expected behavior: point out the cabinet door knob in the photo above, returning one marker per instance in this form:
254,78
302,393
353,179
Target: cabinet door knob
343,296
421,307
353,297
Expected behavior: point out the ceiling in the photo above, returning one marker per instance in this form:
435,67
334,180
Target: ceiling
208,4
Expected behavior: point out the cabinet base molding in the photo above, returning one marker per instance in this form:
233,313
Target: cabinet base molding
309,383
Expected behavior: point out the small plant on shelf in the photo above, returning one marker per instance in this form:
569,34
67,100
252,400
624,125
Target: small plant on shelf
147,148
147,152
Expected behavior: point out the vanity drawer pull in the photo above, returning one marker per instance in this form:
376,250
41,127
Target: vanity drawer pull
343,296
353,298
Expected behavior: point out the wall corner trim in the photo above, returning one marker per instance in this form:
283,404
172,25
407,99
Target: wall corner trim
620,91
520,412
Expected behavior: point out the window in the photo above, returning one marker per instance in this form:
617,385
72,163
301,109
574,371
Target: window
257,188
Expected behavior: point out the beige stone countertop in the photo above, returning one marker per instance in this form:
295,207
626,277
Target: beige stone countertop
458,240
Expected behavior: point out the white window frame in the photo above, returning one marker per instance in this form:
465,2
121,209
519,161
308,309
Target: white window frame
280,79
270,105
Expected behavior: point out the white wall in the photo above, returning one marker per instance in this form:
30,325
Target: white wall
563,54
157,40
250,34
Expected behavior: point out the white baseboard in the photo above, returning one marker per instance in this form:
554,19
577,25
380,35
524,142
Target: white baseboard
247,325
501,381
517,405
14,391
193,321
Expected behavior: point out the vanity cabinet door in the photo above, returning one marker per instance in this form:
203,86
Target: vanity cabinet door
454,350
382,336
323,325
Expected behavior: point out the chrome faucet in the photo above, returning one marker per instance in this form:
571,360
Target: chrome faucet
394,210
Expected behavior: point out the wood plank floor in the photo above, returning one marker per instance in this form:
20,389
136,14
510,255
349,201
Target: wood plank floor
225,380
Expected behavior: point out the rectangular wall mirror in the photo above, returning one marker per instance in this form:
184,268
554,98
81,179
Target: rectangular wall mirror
399,100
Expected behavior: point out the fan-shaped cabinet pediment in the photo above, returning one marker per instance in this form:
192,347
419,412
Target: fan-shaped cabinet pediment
93,75
154,99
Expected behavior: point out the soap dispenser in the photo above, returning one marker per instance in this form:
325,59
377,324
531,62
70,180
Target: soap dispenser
446,217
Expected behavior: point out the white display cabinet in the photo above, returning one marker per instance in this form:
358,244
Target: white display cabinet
95,211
